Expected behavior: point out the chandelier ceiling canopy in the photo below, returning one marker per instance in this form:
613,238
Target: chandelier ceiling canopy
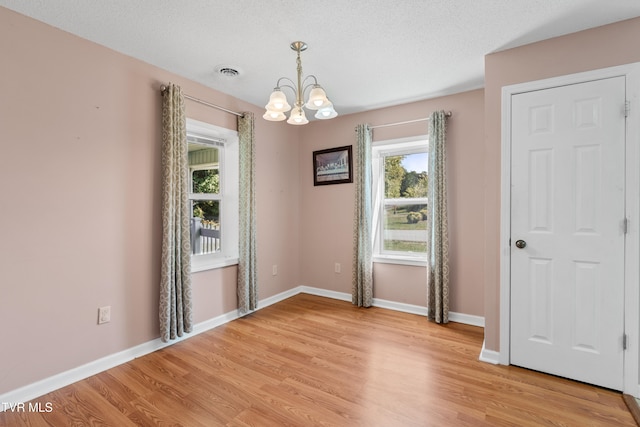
317,99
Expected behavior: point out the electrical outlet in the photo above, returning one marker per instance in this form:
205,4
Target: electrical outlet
104,314
274,269
337,268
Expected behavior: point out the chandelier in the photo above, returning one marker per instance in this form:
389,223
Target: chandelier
317,99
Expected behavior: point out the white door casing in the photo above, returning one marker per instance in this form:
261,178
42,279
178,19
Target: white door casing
567,207
631,193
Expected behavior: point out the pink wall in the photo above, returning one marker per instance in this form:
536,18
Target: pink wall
600,47
80,214
327,211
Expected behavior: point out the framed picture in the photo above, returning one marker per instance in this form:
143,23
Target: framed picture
332,166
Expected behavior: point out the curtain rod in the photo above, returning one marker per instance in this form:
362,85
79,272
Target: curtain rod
426,119
200,101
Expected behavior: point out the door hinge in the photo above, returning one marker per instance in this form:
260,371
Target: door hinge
627,108
625,226
624,341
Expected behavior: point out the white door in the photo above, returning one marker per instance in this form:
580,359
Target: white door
568,230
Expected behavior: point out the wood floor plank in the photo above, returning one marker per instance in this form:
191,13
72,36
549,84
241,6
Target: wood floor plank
310,361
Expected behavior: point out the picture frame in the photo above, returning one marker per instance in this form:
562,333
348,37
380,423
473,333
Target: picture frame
333,166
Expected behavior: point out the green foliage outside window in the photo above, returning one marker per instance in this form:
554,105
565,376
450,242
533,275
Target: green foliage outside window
206,181
398,183
394,173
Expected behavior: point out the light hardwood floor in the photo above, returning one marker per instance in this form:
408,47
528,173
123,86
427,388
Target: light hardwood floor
310,361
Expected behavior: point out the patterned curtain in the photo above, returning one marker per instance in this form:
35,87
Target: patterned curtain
362,280
438,239
175,279
247,266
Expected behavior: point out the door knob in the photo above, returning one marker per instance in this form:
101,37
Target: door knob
520,244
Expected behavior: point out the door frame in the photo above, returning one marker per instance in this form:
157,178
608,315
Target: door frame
632,206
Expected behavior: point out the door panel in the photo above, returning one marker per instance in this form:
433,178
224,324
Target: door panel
567,195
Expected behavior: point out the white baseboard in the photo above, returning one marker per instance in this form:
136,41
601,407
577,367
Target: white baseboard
279,297
400,306
63,379
323,293
489,356
47,385
467,319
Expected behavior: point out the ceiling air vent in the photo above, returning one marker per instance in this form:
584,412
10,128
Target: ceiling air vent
228,72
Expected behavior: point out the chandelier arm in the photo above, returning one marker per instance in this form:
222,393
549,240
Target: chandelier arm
289,87
310,85
307,86
287,80
310,76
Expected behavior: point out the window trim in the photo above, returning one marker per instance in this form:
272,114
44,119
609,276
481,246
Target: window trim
399,146
228,141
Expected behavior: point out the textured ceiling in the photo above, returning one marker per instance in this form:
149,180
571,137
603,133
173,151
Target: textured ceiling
366,53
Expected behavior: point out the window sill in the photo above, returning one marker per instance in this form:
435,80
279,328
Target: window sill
394,259
214,264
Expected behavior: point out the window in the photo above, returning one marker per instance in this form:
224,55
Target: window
400,201
213,195
204,195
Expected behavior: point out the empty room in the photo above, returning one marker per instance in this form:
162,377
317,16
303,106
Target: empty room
363,213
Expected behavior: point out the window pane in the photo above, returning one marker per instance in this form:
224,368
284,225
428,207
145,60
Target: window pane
205,181
405,228
405,176
394,172
204,164
205,226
